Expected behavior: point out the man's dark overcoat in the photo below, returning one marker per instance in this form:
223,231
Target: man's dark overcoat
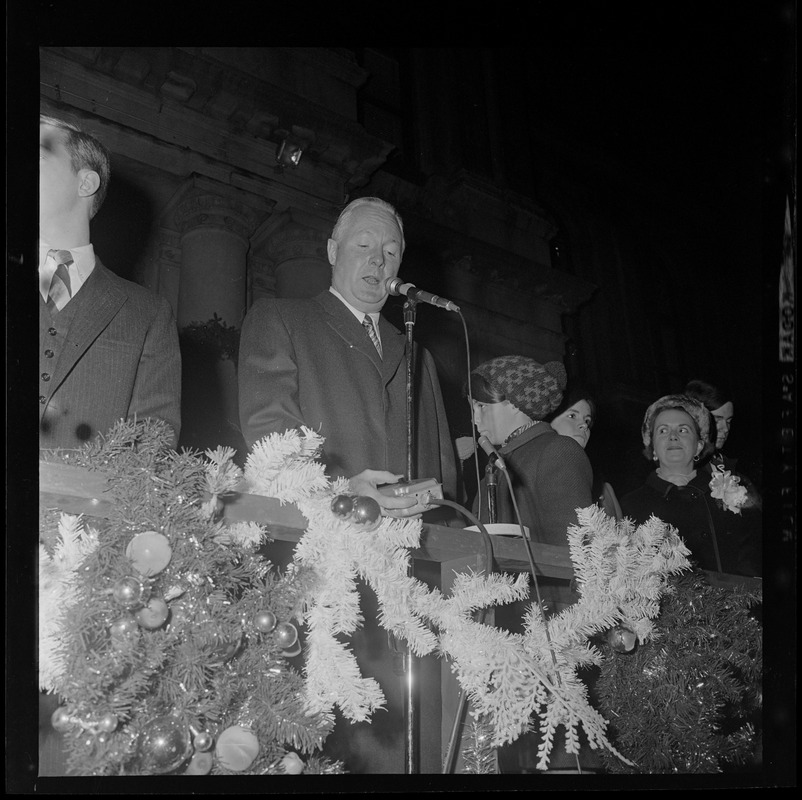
310,362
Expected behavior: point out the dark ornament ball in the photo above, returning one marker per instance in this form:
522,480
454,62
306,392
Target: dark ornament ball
129,592
286,634
622,639
164,745
367,513
342,505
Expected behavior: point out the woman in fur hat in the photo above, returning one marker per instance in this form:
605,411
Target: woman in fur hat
714,514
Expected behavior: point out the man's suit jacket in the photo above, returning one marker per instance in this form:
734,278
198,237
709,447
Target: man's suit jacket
112,353
310,362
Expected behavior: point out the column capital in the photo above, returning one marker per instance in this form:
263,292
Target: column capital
295,239
202,202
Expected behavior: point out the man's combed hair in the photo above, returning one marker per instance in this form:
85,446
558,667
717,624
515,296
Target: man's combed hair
345,215
86,152
712,396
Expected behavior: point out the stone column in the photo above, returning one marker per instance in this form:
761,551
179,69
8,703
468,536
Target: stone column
214,224
215,234
297,250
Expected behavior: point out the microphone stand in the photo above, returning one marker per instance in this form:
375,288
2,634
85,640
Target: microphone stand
492,491
407,668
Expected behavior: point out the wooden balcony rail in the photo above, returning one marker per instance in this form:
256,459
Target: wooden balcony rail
77,490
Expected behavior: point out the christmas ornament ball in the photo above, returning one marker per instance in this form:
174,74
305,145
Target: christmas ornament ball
164,745
149,552
367,513
264,621
123,630
342,505
286,634
622,639
293,764
60,720
237,748
154,614
293,651
203,741
200,764
108,722
128,592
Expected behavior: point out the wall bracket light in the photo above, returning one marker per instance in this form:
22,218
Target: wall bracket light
288,154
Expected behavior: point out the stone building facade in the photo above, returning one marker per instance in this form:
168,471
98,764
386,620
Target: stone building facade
200,210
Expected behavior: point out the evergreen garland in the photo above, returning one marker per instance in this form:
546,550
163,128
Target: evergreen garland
689,701
207,686
146,698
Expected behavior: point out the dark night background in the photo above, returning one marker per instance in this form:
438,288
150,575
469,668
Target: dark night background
694,101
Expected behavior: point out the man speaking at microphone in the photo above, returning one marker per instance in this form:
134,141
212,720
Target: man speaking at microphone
334,364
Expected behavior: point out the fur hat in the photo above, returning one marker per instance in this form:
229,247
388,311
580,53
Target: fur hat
536,389
690,405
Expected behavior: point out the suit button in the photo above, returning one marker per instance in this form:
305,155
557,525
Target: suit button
52,331
49,354
42,399
45,376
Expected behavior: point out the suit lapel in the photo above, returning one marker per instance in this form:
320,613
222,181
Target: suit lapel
99,305
393,345
340,319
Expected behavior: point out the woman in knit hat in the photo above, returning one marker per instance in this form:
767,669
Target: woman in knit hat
714,513
551,477
550,474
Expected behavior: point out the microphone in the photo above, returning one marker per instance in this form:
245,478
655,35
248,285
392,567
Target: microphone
485,444
396,286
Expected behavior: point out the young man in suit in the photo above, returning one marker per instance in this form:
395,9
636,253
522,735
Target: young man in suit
313,362
108,348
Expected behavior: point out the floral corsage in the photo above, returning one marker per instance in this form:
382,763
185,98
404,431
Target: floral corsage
726,488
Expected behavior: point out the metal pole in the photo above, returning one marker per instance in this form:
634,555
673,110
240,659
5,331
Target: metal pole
408,662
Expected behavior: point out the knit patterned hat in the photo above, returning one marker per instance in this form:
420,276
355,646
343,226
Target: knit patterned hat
689,405
536,389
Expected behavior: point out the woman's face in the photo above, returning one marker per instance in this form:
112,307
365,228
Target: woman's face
575,421
495,420
674,440
723,418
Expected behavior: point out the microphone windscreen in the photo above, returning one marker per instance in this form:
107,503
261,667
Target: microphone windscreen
485,444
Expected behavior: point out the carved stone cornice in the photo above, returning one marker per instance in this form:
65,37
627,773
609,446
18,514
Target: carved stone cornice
240,95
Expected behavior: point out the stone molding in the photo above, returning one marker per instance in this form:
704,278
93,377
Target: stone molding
237,111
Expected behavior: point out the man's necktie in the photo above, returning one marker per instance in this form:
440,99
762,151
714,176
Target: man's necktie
60,290
367,323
